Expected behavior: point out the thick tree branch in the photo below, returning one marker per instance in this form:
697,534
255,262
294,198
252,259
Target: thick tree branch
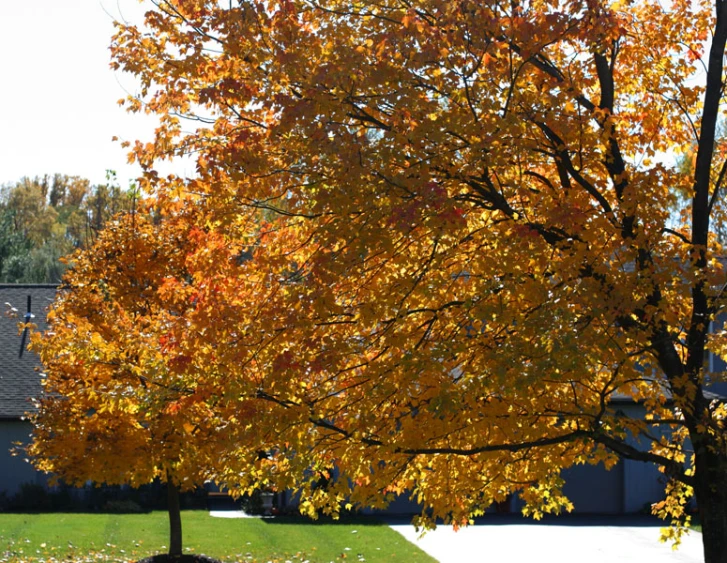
565,160
673,468
699,323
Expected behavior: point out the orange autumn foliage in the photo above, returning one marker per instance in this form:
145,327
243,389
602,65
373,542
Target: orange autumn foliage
433,239
118,407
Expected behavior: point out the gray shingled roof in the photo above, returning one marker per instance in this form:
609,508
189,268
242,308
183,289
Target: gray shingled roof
19,378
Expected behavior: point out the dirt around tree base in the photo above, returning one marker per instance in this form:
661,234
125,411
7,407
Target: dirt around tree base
186,558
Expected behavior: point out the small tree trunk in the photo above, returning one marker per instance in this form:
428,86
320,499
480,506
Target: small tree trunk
711,494
175,519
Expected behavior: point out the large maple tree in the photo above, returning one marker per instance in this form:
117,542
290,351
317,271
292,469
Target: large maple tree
439,238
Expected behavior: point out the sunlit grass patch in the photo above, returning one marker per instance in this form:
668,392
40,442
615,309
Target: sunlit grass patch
101,538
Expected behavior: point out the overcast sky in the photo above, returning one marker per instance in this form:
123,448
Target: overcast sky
58,95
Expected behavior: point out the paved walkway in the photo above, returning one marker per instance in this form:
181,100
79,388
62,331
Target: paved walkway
564,540
567,539
234,514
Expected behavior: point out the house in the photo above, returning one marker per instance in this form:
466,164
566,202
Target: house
629,487
19,380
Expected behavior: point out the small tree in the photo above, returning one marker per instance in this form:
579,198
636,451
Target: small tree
115,409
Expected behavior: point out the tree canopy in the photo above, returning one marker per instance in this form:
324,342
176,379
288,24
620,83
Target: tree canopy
42,219
114,409
433,239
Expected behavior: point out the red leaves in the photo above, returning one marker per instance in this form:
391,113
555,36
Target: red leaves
525,231
285,362
179,362
173,408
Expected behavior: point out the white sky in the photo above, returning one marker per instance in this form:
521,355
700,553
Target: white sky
58,95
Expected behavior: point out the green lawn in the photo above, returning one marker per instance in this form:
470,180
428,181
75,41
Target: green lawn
112,537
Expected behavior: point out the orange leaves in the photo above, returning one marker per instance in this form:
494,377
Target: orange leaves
119,384
427,246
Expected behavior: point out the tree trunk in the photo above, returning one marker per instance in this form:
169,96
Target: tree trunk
711,493
175,519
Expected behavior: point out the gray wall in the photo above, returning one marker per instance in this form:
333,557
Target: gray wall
643,482
595,490
629,487
14,470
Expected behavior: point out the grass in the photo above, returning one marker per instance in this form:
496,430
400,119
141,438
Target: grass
50,538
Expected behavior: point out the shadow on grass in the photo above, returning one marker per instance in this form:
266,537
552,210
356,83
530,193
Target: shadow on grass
569,520
347,520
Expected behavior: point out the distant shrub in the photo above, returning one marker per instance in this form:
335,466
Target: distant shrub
63,500
31,497
253,503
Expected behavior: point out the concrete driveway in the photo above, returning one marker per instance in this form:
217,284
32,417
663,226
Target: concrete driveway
565,539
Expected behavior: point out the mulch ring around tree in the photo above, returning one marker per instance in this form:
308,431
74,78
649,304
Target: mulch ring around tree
186,558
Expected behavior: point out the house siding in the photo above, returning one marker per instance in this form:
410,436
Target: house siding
630,487
593,489
643,482
15,469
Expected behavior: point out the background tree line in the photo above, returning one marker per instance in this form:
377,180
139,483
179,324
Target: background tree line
44,218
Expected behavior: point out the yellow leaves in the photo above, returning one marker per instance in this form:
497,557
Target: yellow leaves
403,236
545,498
673,508
412,20
111,394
